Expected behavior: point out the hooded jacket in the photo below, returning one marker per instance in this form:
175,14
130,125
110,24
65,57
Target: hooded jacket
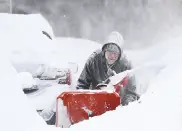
95,70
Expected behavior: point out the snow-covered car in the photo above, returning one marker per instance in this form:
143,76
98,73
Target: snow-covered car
28,83
45,66
29,39
30,43
34,47
60,74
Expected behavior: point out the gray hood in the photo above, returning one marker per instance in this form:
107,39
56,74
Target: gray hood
115,38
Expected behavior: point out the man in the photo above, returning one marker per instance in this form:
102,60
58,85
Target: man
105,63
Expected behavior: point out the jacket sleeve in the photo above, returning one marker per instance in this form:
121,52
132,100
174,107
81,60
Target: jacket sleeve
129,93
85,78
126,63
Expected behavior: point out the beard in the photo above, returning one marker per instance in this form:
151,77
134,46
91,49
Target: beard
110,61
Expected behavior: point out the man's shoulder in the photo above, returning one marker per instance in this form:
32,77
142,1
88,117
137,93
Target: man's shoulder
96,53
123,58
125,61
95,56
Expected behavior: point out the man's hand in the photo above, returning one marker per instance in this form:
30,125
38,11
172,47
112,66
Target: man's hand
128,99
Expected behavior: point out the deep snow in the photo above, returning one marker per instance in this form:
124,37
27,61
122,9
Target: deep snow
157,68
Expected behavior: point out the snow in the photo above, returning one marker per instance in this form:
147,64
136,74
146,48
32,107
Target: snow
45,98
75,50
14,106
26,79
21,34
157,68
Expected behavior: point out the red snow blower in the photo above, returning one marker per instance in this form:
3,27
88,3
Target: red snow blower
75,106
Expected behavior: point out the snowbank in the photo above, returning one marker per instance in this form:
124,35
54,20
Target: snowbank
158,71
16,113
22,35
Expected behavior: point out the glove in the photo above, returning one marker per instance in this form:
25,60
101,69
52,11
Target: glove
128,99
111,72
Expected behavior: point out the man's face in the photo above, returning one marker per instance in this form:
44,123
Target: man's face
111,56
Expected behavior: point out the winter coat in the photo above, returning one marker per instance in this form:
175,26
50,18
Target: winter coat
96,71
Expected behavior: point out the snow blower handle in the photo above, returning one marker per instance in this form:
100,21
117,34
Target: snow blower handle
104,83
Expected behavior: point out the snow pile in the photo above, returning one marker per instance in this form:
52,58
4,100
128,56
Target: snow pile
24,38
16,113
16,46
26,80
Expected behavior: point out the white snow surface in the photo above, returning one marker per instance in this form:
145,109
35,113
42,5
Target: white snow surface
26,80
16,113
158,71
